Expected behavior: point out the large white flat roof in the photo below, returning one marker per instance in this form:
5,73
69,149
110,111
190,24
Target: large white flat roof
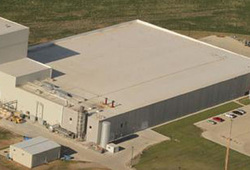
7,26
136,64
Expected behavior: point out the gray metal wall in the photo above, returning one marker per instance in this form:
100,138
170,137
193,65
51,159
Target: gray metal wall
179,106
47,156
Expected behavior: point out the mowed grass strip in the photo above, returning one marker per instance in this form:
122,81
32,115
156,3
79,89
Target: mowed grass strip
188,150
245,101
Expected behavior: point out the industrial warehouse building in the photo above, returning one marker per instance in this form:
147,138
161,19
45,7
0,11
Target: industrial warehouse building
35,152
105,84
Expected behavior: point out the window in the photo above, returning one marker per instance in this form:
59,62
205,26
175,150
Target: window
70,119
121,125
90,127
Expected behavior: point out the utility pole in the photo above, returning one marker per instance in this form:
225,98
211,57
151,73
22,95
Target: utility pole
228,145
132,154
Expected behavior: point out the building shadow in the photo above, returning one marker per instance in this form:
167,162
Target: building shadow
126,138
56,73
49,53
121,148
67,151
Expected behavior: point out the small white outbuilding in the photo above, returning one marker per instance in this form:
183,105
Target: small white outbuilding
112,148
35,152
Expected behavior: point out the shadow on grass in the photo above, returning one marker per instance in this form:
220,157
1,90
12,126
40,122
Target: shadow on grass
67,151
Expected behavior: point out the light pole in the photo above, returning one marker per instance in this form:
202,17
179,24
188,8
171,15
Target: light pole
228,145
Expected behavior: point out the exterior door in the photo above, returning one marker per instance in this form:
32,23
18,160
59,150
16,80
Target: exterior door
39,110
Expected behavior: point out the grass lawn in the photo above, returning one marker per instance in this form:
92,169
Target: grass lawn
53,19
188,150
245,101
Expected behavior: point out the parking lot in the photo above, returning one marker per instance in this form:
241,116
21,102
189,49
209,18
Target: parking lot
220,132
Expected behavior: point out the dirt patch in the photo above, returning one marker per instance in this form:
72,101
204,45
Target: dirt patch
7,138
55,165
6,164
234,43
65,165
203,34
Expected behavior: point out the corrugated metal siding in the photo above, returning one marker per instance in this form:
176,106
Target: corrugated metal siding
179,106
46,157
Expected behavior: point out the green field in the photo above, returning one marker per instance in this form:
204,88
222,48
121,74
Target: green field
188,150
53,19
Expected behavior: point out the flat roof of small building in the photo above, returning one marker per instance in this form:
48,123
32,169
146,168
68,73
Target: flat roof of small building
136,64
7,26
22,67
36,145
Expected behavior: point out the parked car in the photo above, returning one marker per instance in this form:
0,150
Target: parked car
237,112
230,115
242,111
218,119
212,122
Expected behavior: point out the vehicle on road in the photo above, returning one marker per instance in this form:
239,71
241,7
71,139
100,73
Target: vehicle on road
212,122
218,119
230,115
237,112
